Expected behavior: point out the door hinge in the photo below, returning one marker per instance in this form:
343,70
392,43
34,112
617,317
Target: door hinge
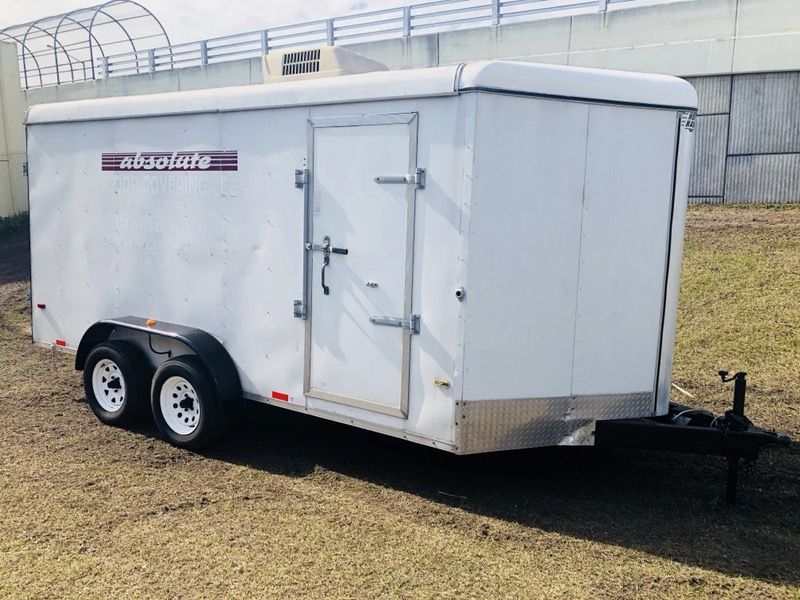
417,178
300,178
688,121
411,323
25,169
299,309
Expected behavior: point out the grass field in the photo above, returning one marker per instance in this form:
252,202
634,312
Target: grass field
290,506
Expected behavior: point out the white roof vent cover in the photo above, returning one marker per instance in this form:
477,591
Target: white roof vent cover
309,63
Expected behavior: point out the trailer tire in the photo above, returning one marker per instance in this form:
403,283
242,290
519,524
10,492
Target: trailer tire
115,378
185,404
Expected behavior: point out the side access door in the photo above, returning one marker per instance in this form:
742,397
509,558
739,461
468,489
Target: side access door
360,324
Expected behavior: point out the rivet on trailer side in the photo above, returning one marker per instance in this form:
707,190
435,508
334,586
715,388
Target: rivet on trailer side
477,258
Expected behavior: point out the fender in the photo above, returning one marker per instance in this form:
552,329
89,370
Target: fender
209,350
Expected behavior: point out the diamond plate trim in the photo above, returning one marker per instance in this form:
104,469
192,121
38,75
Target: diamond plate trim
491,425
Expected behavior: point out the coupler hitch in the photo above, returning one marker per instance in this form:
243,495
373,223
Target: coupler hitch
696,431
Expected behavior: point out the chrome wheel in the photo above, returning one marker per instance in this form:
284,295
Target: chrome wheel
179,405
108,385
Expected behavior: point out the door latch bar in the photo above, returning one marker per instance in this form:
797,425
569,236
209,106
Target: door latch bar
327,248
411,323
417,179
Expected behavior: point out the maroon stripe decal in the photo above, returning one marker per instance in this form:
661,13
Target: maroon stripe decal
213,161
179,153
196,169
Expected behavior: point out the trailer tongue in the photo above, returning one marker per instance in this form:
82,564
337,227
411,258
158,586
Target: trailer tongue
697,431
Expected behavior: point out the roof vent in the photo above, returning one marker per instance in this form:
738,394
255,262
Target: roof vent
308,63
300,63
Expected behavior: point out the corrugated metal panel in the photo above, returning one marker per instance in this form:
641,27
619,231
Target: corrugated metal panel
713,94
708,168
705,200
772,178
765,113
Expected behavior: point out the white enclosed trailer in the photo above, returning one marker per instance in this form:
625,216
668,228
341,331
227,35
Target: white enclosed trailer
478,257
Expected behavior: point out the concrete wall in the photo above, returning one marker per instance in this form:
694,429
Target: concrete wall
13,182
691,38
239,72
743,56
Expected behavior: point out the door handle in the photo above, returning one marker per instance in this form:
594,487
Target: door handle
325,262
326,249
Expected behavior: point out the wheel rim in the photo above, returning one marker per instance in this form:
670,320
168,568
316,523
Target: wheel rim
108,385
180,405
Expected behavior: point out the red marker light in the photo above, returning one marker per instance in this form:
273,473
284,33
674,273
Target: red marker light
41,305
280,396
61,343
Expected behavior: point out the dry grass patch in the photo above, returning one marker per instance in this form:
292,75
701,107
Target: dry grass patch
740,309
291,507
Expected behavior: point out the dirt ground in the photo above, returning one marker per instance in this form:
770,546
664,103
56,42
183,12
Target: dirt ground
290,506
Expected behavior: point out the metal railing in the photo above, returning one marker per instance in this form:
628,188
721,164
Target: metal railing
404,21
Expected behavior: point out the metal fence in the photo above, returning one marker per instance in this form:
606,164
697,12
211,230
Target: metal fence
71,46
438,15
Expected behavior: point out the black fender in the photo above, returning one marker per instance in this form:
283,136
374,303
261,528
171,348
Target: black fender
209,350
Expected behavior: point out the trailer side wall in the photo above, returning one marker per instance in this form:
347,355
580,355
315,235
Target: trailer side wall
223,251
